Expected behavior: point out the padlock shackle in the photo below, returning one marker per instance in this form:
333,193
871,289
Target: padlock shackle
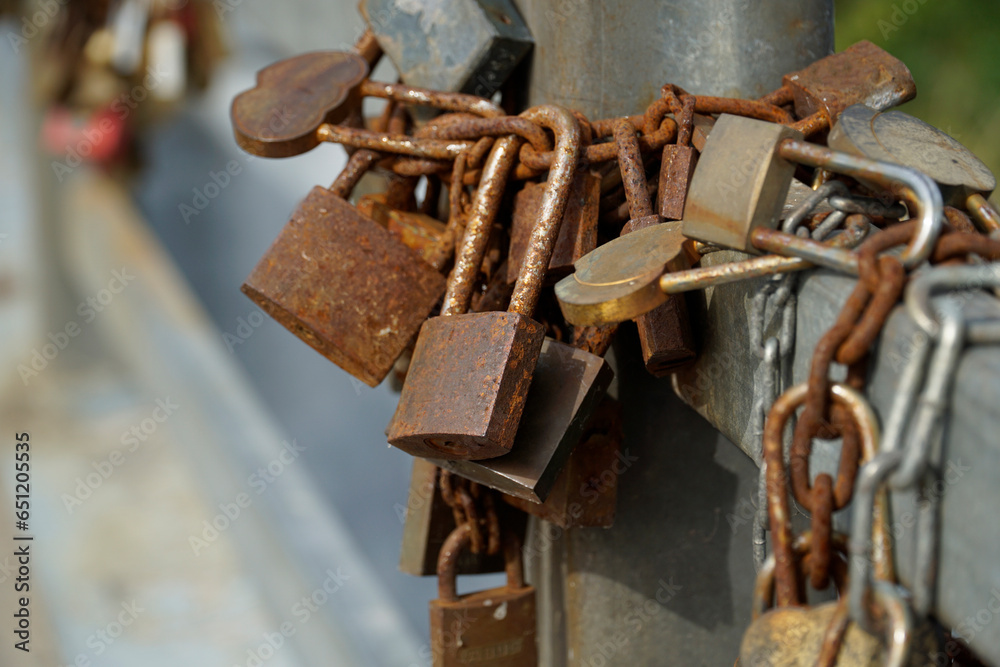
357,166
632,169
457,541
920,289
399,92
485,206
983,213
368,48
529,283
917,188
804,254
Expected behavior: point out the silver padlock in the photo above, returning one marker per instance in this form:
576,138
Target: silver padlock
468,46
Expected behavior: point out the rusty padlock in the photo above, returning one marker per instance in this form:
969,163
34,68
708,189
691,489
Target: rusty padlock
665,332
567,386
677,165
577,232
279,116
345,286
861,74
428,522
299,102
417,231
569,380
740,183
469,376
585,494
495,627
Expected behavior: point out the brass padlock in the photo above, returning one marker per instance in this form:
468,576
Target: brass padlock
793,637
740,182
823,634
470,373
577,232
344,285
620,280
495,627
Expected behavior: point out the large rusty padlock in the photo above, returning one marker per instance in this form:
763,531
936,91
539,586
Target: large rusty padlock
469,376
495,627
342,283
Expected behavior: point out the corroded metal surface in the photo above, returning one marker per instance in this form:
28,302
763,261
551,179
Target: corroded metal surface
428,97
342,284
467,384
293,98
676,170
861,74
577,232
485,206
567,386
747,108
467,126
385,142
543,236
665,332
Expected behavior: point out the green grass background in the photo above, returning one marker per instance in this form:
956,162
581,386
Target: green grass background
952,48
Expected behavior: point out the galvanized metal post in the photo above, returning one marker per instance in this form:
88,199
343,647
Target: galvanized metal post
671,583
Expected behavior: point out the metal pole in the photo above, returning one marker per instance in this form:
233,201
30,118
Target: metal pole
610,58
671,582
